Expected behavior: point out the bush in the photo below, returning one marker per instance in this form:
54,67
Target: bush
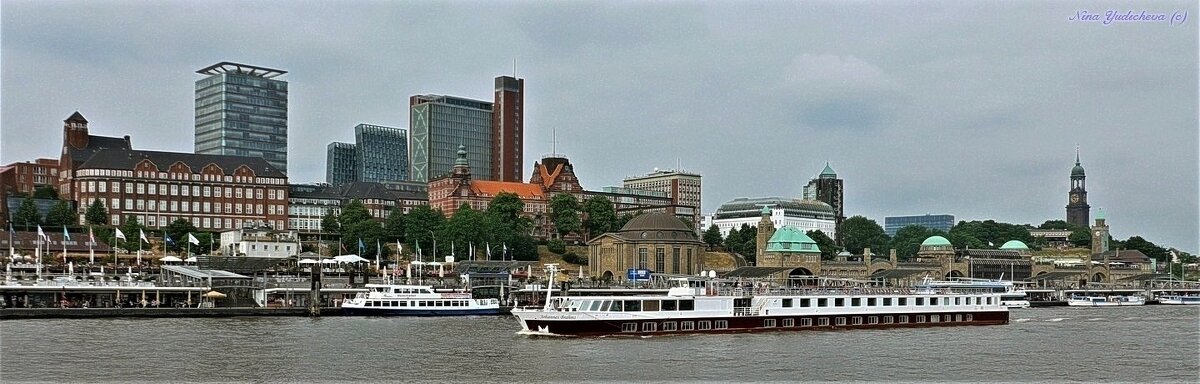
572,258
557,246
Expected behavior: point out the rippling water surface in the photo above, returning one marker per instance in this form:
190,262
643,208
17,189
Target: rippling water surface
1151,343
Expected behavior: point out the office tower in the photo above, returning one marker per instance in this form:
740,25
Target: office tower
381,153
438,125
508,126
827,187
341,163
241,110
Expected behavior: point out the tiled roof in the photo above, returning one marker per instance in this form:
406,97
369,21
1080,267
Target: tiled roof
1124,255
127,159
493,188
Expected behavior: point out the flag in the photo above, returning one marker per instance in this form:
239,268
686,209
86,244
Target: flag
167,239
142,234
489,250
193,239
991,244
361,247
91,236
66,236
343,246
41,234
120,235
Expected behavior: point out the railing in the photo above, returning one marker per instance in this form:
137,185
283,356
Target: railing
742,311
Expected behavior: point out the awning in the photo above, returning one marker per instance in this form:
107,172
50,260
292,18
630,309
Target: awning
170,259
344,259
308,261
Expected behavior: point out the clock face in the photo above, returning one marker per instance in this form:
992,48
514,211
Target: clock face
1098,233
1074,198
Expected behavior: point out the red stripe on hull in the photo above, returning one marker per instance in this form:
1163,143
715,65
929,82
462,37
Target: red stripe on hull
758,323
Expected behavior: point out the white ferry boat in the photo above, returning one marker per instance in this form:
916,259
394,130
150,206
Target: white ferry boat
1179,299
707,306
416,300
1105,301
1011,294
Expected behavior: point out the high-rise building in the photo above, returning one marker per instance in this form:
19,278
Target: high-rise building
381,153
438,125
682,187
341,163
943,223
1077,206
827,187
241,110
508,125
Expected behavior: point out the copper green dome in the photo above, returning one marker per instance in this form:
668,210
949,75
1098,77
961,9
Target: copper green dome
936,241
1099,213
1014,245
790,239
1077,170
766,211
462,155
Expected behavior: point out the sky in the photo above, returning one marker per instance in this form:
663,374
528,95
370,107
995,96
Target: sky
973,109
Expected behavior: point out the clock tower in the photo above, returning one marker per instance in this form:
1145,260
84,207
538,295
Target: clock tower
1077,206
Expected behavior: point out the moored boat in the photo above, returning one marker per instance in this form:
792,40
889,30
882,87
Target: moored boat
1105,301
710,306
1011,294
1179,299
416,300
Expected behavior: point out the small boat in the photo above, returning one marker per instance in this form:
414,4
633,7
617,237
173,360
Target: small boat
1105,301
715,306
1011,294
416,300
1179,299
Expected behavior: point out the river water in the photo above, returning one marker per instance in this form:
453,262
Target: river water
1150,343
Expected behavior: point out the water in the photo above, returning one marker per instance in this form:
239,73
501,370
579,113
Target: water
1152,343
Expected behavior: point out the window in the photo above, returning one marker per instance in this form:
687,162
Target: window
649,327
903,301
856,302
903,319
174,190
789,322
217,192
887,319
933,301
207,191
871,302
687,305
271,196
660,260
184,190
238,192
957,301
806,322
920,301
668,326
856,320
920,318
151,189
722,324
128,187
840,320
628,327
969,317
839,302
822,302
787,303
686,326
670,305
769,323
873,320
704,325
957,317
805,303
141,188
887,301
823,322
935,318
643,254
633,305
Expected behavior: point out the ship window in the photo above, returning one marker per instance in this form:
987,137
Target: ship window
668,326
628,327
687,305
903,319
855,302
903,301
978,300
920,318
990,300
969,317
957,301
403,303
871,302
822,302
769,323
856,320
605,305
669,305
873,320
806,322
805,303
787,303
649,327
704,325
933,301
839,302
369,304
789,322
935,318
687,326
616,306
887,301
722,324
957,317
840,320
920,301
887,319
595,305
633,305
650,305
439,303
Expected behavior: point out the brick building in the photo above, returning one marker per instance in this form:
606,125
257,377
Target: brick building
450,192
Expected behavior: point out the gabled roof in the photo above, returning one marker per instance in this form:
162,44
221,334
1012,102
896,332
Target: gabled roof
1124,255
126,159
493,188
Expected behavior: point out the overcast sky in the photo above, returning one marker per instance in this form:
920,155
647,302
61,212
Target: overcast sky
965,108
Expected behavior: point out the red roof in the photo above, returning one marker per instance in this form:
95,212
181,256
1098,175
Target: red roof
493,188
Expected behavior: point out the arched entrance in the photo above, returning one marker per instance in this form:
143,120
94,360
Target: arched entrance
1098,278
954,273
801,276
608,276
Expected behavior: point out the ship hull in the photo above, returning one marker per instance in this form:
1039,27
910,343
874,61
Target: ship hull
418,312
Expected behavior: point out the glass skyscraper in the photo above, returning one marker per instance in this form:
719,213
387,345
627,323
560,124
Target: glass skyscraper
341,163
381,154
242,111
439,124
891,224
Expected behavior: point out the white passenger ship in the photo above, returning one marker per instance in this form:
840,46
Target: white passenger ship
1179,299
1011,294
416,300
707,306
1105,301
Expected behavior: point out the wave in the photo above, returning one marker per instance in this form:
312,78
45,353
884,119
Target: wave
1021,320
1056,319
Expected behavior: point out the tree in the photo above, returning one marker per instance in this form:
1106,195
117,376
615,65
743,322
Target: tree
507,207
564,213
178,231
393,227
733,239
45,192
556,246
96,213
599,216
352,213
330,223
27,214
132,230
622,220
1081,237
467,226
419,224
824,242
60,214
1148,248
712,236
991,233
359,232
859,232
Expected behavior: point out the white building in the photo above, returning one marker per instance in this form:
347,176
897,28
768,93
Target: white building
260,242
806,215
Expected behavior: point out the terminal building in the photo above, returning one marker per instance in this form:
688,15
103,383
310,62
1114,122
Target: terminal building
805,215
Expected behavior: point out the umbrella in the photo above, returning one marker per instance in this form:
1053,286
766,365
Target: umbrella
170,259
329,261
308,261
214,295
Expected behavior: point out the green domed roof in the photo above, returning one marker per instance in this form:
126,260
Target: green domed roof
766,211
1014,245
462,155
790,239
1099,213
936,241
1077,170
